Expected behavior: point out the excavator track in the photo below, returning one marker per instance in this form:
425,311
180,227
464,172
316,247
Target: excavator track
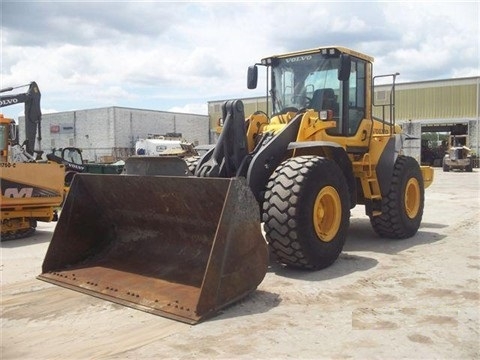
19,234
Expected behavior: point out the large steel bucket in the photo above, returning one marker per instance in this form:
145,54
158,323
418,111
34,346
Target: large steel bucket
180,247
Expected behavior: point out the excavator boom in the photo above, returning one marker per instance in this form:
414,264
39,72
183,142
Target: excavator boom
31,190
33,113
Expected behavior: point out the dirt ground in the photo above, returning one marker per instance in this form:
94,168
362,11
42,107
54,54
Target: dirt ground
410,299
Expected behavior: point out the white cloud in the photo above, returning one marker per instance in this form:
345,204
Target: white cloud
201,109
164,56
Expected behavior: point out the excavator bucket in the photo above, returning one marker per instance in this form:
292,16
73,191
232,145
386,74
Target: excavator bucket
179,247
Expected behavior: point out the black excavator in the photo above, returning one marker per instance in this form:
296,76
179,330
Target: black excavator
33,116
32,190
70,157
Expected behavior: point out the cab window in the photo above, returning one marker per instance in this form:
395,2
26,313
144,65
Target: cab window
356,100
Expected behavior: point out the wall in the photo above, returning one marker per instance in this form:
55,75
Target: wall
110,133
132,124
412,146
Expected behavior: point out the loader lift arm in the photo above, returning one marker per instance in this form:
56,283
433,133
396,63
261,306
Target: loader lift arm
231,157
33,113
226,158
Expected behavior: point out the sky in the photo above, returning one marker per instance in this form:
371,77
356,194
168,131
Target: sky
177,56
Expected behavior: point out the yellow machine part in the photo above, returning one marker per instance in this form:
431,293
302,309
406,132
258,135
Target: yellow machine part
4,138
427,174
30,191
179,247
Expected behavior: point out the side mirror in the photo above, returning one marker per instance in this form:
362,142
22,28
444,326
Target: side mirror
252,77
345,67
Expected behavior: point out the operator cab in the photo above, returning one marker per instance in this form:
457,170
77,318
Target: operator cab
325,79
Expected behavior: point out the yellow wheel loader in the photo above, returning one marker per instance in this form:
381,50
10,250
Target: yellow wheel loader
184,244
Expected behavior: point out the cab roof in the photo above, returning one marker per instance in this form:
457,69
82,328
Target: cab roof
340,49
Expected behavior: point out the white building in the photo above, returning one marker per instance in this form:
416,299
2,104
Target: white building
109,134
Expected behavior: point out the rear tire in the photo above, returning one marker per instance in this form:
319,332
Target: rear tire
306,212
402,208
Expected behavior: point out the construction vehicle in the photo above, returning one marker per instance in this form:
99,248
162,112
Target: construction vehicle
458,155
156,144
185,245
169,164
32,190
72,159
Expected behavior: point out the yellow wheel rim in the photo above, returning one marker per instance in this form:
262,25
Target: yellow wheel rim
327,213
412,198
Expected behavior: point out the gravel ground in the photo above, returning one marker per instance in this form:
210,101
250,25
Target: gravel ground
411,299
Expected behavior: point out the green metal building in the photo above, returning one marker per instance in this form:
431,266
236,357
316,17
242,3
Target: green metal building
424,106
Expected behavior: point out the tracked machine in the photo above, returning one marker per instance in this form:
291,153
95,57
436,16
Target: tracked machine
32,190
185,241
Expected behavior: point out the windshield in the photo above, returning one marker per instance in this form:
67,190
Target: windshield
72,155
304,82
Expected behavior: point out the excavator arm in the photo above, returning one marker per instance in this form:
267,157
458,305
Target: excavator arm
33,113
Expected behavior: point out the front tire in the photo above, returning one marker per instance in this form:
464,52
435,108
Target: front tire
306,212
402,208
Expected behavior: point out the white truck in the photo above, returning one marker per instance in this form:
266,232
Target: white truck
157,145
